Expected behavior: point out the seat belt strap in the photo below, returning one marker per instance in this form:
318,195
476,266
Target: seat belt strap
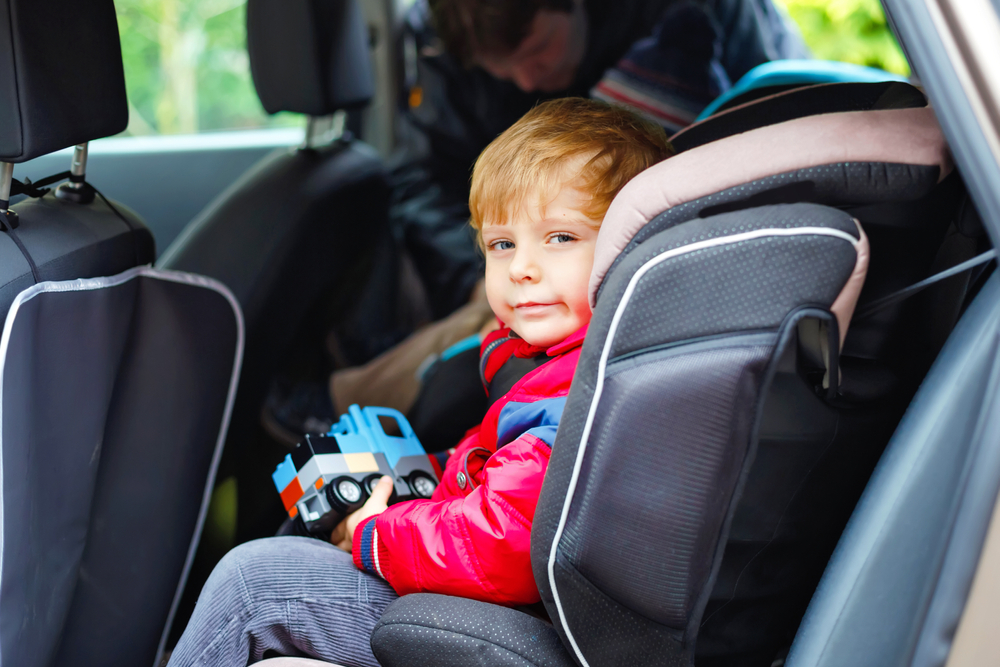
905,293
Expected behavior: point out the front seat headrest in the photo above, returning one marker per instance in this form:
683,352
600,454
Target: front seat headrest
61,76
896,136
309,56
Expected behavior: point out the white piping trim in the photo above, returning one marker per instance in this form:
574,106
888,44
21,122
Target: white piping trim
88,284
378,567
602,366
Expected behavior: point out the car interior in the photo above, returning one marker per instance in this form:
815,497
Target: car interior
793,342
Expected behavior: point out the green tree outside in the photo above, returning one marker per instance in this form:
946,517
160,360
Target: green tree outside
853,31
187,69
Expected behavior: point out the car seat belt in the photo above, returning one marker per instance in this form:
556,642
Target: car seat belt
905,293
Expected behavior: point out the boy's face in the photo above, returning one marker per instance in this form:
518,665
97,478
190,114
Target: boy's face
538,268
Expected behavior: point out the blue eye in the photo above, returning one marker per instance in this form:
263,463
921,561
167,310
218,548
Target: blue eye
501,245
561,238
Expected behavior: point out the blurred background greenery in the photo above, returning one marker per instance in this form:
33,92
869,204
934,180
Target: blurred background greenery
853,31
187,70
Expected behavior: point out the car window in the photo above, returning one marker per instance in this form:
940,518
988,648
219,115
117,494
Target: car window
854,31
187,69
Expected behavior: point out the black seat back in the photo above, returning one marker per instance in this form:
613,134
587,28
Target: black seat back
294,235
116,380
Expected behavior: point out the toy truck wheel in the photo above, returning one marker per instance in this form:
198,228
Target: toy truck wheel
421,484
345,493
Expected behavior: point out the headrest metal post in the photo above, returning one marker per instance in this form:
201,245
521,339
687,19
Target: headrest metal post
6,181
8,218
324,130
76,189
78,168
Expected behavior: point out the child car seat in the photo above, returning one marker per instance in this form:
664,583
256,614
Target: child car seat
293,235
779,75
116,379
723,418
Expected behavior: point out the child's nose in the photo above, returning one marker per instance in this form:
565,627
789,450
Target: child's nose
523,266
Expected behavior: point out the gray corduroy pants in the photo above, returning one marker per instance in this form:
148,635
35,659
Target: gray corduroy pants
292,595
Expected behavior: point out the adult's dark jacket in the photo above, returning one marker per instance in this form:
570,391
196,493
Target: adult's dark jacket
464,109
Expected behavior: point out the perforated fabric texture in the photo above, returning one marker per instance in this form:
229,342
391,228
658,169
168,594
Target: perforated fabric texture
445,631
746,286
841,184
799,103
625,590
61,76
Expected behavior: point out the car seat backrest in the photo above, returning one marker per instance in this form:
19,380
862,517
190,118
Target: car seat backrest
780,155
703,409
309,57
116,380
114,396
290,233
61,83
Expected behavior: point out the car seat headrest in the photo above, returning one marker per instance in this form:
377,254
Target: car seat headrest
897,136
309,56
798,103
61,76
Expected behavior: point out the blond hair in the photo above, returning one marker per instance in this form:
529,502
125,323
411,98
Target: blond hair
534,154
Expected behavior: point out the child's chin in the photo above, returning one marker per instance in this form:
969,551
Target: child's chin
542,337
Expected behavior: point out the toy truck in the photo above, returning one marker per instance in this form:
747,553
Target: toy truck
330,475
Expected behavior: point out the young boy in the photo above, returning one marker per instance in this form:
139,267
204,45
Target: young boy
539,195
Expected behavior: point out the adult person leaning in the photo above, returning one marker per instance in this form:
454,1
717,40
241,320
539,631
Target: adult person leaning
476,66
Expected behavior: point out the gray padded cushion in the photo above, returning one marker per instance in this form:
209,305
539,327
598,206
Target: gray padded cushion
842,184
309,56
445,631
114,393
61,76
69,241
686,375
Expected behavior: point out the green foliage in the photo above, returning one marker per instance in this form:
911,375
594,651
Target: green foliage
186,67
853,31
187,70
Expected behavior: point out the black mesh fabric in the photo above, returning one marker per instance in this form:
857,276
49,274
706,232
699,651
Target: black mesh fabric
675,419
675,424
445,631
746,286
798,103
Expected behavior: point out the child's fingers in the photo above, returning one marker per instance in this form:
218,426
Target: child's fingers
382,491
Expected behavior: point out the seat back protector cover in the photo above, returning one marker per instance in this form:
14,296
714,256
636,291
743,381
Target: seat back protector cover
115,396
660,427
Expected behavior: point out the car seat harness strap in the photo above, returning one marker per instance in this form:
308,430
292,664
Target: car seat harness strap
905,293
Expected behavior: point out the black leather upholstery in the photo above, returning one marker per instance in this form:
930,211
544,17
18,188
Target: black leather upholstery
61,76
309,56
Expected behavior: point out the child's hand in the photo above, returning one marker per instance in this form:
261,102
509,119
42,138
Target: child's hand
378,502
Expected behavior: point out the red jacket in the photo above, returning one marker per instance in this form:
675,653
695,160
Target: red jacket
472,538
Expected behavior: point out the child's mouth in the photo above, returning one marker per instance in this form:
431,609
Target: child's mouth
532,308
